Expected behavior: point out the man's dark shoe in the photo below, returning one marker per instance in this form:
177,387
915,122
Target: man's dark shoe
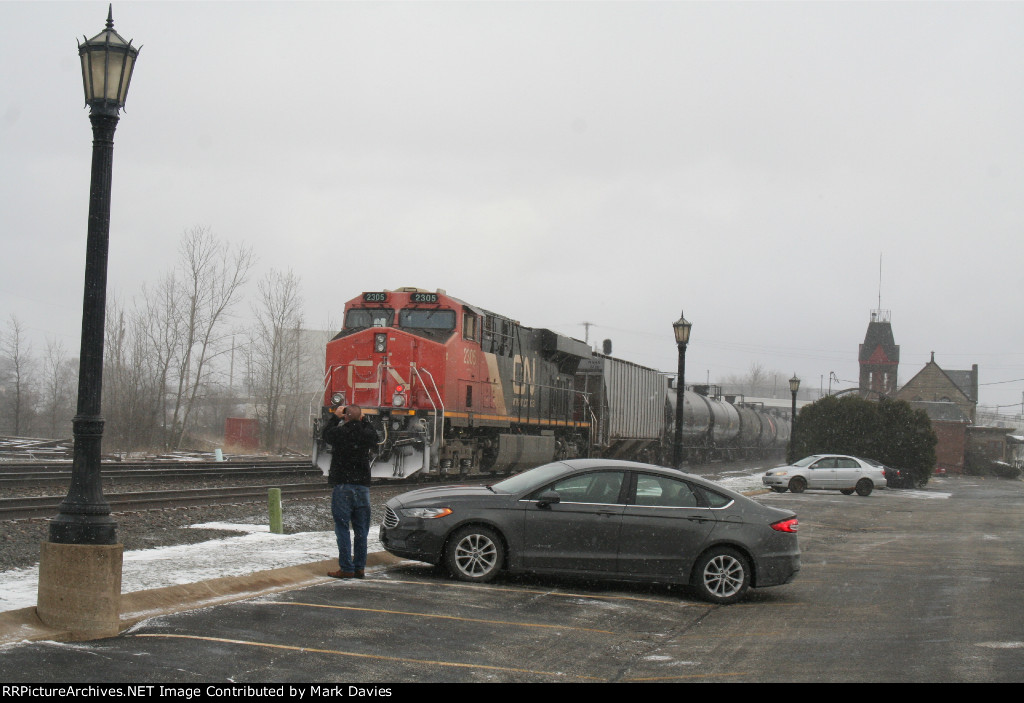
339,574
360,574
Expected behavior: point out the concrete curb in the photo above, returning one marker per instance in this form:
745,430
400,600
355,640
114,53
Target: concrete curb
24,625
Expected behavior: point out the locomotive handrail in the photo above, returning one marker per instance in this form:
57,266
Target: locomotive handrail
416,371
380,382
313,417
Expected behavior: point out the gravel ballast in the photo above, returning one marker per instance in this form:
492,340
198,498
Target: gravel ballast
20,540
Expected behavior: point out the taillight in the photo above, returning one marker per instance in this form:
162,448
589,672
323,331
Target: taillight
790,525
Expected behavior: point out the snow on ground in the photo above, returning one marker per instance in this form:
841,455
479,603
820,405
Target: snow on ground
257,549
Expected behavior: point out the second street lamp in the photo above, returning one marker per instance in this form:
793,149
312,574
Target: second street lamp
681,329
794,386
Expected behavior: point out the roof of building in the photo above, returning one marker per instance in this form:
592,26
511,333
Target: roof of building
879,346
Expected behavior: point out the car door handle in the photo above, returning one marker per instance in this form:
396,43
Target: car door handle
606,513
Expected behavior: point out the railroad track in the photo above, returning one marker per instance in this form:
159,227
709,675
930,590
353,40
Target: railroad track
21,475
49,506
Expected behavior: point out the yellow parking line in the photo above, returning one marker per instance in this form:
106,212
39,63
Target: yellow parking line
704,636
552,593
445,617
688,676
404,660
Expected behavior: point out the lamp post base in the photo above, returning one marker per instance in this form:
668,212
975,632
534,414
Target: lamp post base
80,588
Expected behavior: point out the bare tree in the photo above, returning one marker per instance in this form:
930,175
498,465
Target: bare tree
162,326
59,389
275,356
757,382
19,383
212,274
131,401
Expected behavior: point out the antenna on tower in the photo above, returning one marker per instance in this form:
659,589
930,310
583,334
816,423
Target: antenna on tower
878,314
879,280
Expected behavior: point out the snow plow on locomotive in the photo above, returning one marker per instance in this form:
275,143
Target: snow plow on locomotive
453,389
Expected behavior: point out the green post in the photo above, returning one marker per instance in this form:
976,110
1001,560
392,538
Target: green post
274,505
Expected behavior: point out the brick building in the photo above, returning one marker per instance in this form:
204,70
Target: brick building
932,384
951,400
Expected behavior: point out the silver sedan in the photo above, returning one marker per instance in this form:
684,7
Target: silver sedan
840,472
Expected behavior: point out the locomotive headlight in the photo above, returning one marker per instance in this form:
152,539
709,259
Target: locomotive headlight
398,399
380,342
338,399
426,512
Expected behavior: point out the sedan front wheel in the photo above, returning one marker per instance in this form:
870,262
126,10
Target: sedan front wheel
475,553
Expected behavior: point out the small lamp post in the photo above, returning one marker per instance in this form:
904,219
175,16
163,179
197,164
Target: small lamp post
80,565
794,386
681,328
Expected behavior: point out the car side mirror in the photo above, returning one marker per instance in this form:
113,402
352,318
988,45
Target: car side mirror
547,498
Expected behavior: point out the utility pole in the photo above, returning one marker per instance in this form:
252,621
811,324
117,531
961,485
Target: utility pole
586,333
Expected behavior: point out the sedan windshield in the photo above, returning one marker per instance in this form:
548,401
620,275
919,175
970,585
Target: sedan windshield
529,479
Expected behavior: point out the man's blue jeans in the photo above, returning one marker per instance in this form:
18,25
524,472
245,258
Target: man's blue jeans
350,504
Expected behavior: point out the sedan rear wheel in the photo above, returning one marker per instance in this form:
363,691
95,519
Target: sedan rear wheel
864,487
722,576
475,553
797,484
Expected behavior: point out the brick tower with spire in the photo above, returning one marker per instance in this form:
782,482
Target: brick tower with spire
879,358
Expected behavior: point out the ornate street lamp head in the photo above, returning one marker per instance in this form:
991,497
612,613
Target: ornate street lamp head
681,327
107,64
794,384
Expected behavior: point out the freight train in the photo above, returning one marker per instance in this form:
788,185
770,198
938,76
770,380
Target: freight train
454,389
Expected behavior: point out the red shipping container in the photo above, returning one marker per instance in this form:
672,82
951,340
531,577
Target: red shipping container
242,433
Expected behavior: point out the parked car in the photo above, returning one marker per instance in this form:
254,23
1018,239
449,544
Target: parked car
831,471
895,478
599,518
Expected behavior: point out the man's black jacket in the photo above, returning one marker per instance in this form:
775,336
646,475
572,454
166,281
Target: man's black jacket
352,442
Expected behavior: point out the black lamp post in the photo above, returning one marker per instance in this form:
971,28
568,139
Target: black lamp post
107,64
794,386
681,328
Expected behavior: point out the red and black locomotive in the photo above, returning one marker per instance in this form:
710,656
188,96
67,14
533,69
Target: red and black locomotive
455,389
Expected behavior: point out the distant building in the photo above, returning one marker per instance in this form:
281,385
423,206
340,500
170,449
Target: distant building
879,358
988,446
950,398
932,384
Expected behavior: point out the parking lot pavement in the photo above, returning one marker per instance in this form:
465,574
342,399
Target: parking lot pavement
896,586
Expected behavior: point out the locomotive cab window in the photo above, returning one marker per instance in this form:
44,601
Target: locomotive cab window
470,325
427,319
362,318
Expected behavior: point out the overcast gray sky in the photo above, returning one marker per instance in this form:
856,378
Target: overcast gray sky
556,162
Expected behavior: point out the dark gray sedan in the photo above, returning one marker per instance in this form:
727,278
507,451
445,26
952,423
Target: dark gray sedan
599,518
